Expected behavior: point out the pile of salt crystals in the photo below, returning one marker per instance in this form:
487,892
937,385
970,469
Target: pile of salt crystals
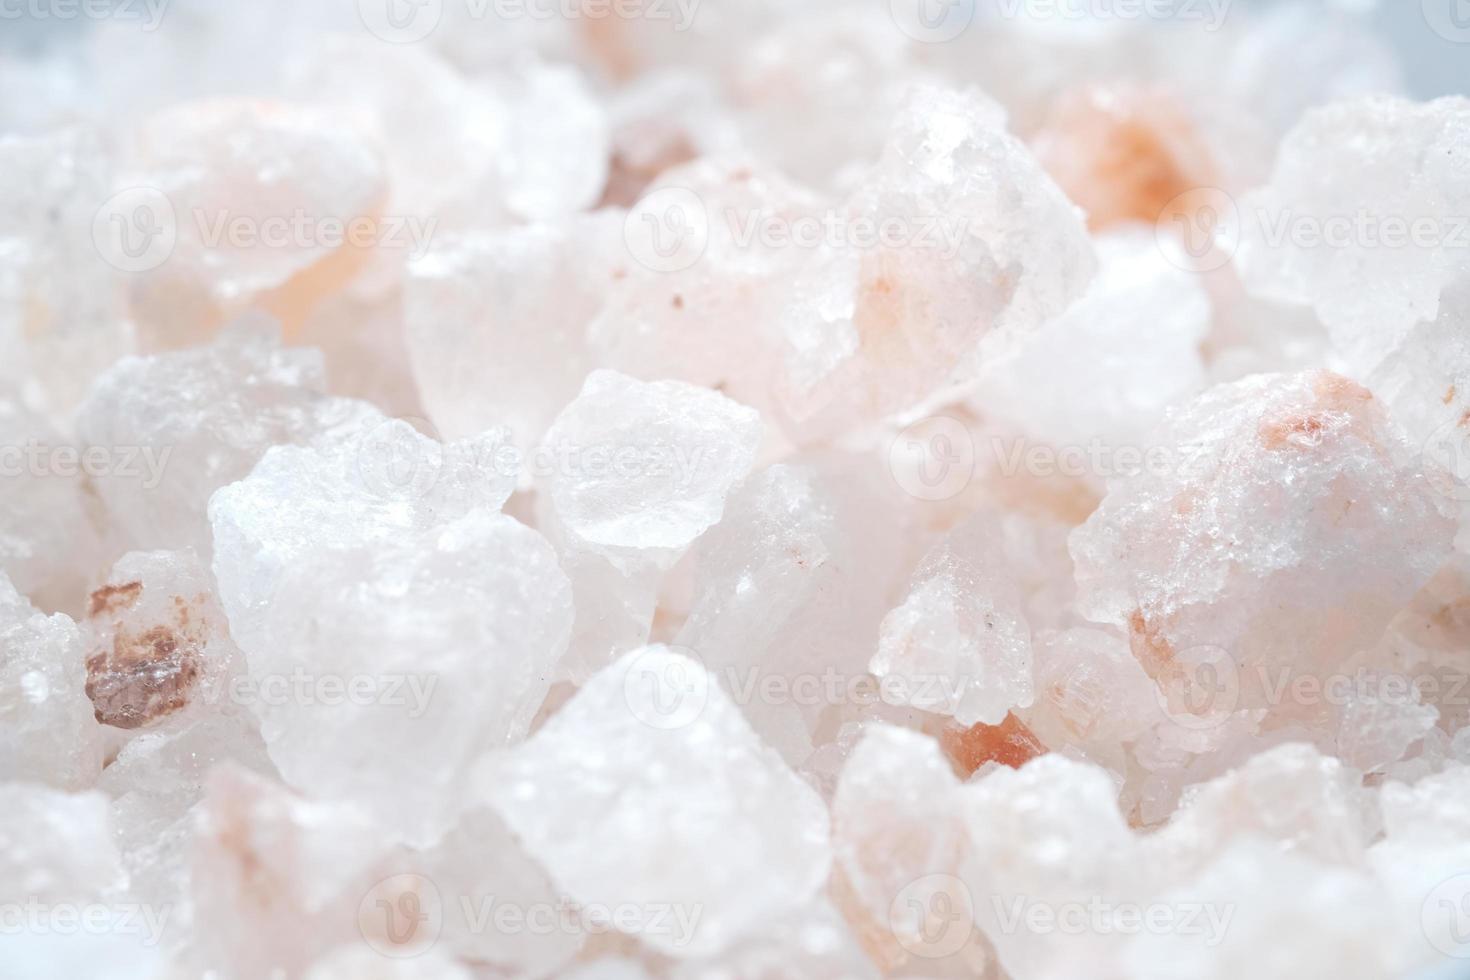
741,490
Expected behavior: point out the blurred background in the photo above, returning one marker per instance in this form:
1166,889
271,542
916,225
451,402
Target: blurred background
1434,64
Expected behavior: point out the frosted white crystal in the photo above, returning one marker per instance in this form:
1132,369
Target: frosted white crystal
1213,555
1269,914
47,535
219,163
376,480
496,322
789,590
188,422
1106,368
267,863
959,644
155,783
47,729
896,822
886,325
646,466
1092,696
55,846
63,313
702,271
1375,179
480,870
1048,835
623,804
435,131
1306,802
419,651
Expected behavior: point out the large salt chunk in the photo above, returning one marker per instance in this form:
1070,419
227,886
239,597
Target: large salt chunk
644,467
959,644
183,424
63,312
404,658
1243,557
157,780
1048,838
789,589
1103,372
434,129
371,481
1092,697
1257,912
48,541
235,200
899,842
47,731
1357,219
55,846
1424,855
812,942
496,322
1426,383
266,863
707,249
1308,803
649,791
482,873
975,237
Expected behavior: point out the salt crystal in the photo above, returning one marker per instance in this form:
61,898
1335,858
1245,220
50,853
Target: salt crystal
959,644
46,724
708,822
